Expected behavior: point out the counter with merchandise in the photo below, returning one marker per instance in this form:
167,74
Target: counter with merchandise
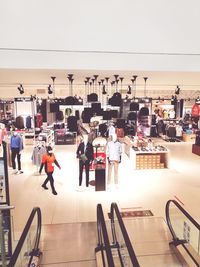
145,155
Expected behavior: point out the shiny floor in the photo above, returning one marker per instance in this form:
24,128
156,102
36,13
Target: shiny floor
141,189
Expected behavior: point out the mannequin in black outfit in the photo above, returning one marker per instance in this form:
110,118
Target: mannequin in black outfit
85,155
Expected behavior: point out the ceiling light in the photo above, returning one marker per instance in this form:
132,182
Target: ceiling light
177,91
21,89
50,89
129,90
104,90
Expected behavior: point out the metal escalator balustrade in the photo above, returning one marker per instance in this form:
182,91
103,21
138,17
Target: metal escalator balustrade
121,239
103,247
185,230
118,253
27,249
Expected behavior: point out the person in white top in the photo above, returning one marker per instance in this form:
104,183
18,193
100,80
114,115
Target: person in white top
114,151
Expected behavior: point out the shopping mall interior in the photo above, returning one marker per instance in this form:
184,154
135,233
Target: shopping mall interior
99,133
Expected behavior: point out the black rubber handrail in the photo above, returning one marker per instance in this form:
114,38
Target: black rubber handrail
115,210
176,240
103,240
35,212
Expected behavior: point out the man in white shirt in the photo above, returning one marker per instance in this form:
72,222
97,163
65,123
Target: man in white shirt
114,151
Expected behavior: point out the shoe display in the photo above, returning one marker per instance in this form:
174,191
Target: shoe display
44,186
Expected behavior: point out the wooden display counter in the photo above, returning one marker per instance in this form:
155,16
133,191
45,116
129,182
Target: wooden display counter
149,159
189,137
196,149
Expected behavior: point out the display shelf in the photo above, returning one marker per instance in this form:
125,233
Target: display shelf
149,159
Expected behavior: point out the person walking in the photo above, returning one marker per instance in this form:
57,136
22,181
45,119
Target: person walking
85,154
48,160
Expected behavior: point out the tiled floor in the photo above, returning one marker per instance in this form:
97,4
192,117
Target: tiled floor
147,189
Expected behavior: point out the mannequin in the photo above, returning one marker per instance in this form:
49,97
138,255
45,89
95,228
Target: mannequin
16,146
114,151
85,154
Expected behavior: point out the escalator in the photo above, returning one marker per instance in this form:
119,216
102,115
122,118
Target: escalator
27,251
136,242
148,241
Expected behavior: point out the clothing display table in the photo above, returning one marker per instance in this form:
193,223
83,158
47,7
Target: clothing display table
156,158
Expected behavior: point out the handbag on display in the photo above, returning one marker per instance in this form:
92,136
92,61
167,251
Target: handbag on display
83,157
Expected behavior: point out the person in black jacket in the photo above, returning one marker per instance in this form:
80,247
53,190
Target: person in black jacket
85,154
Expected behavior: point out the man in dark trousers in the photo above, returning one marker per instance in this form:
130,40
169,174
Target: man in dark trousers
48,160
85,154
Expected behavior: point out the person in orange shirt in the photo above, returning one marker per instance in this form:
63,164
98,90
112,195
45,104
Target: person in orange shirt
48,160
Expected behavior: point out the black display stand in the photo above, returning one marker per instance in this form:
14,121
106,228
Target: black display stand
100,179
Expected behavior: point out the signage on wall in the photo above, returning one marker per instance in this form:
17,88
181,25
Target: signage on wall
23,99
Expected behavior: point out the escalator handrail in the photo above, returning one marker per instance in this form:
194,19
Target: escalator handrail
35,212
189,217
102,231
115,210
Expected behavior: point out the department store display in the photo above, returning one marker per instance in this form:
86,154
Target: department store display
48,137
64,137
38,151
16,146
144,154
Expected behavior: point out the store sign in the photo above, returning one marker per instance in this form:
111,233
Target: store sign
23,99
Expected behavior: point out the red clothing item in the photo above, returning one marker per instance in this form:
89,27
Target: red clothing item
48,161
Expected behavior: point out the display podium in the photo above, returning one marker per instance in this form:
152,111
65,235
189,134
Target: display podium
100,178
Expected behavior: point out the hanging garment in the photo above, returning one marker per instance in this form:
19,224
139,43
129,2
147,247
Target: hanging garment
59,116
28,122
38,120
72,124
120,132
19,122
92,97
179,131
171,114
111,130
132,116
195,110
144,111
103,129
171,132
77,114
134,106
37,155
68,112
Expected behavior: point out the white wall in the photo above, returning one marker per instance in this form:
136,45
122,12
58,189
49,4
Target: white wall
156,28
